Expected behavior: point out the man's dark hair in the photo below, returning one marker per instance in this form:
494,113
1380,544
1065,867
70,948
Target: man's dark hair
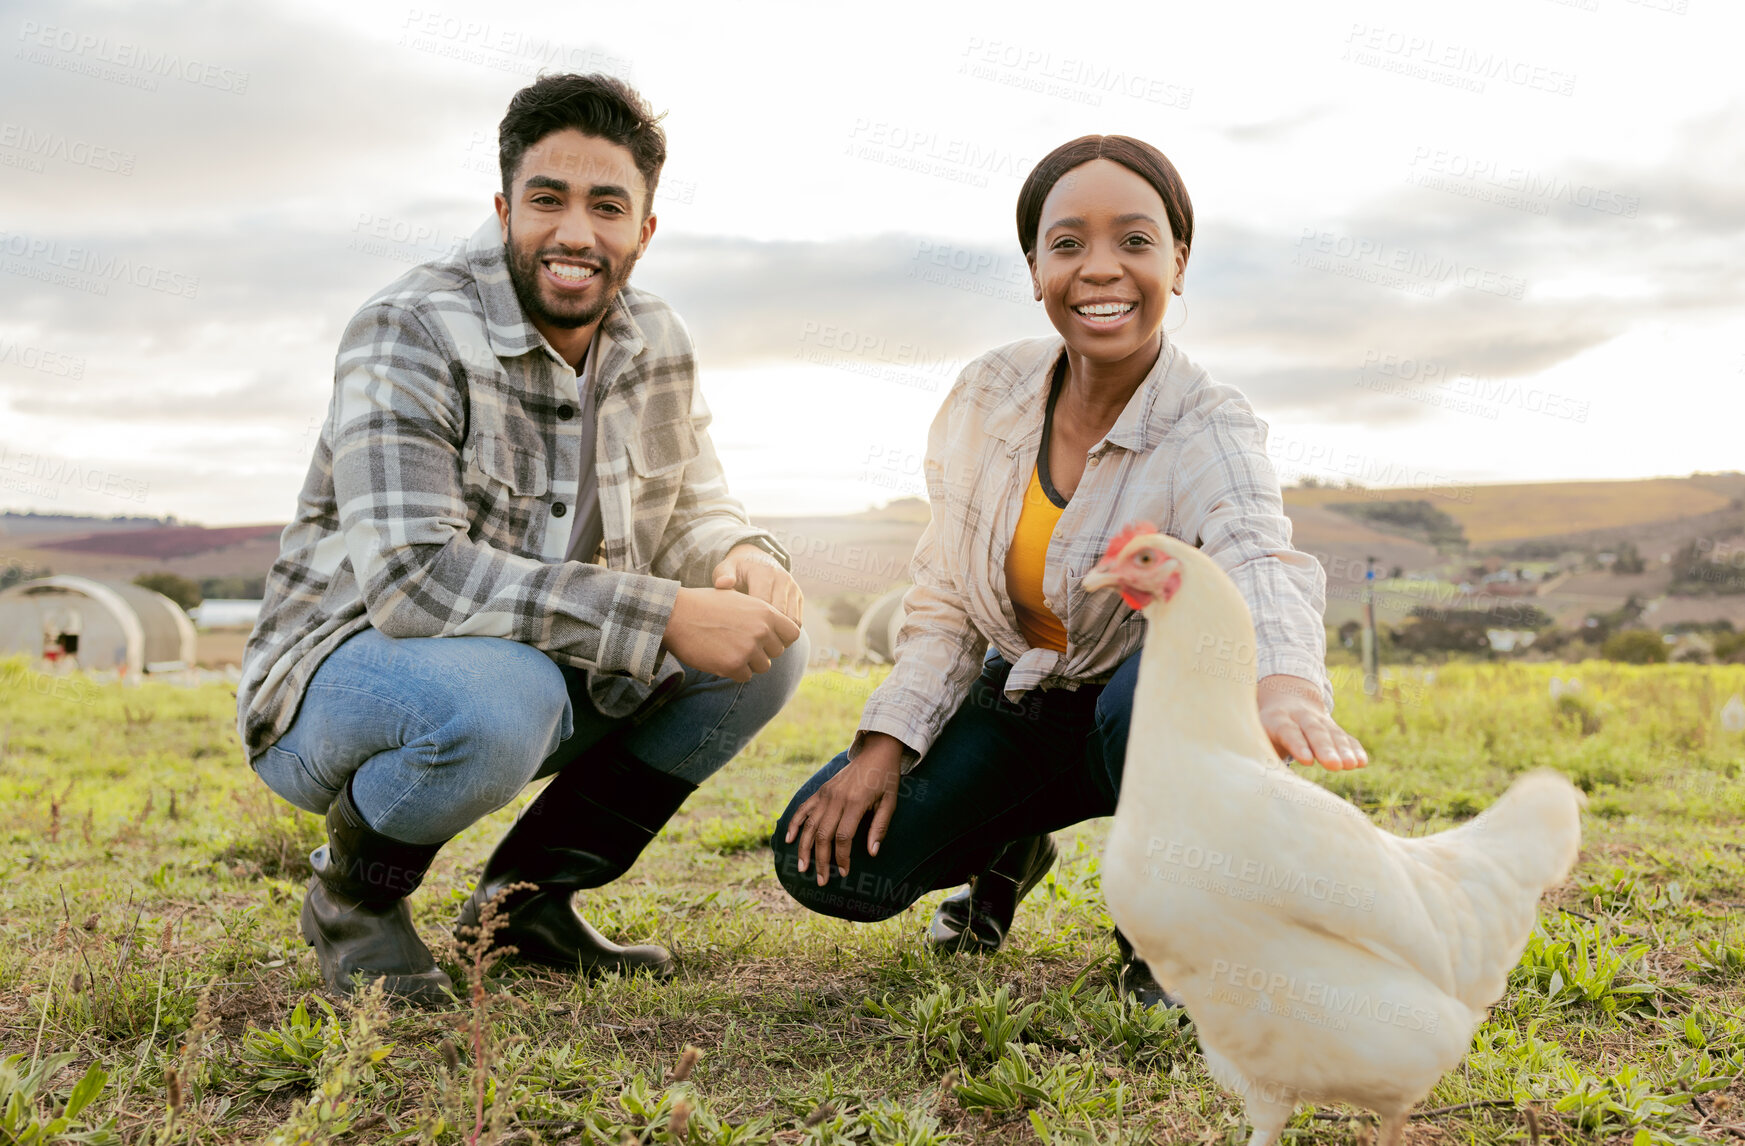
599,105
1135,155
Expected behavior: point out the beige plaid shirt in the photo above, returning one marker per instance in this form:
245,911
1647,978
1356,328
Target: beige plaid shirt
441,497
1187,454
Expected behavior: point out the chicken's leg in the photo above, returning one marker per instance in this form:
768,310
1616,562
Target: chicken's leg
1269,1119
1393,1128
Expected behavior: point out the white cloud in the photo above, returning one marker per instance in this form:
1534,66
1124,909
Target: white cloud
836,217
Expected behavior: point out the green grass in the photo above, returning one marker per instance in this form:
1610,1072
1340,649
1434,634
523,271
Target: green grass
151,971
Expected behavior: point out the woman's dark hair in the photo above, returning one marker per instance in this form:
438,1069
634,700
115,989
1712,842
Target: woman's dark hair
599,105
1135,155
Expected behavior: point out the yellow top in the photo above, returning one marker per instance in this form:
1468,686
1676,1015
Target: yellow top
1024,562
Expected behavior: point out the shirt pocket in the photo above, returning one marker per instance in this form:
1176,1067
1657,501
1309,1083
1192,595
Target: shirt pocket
663,450
506,486
521,469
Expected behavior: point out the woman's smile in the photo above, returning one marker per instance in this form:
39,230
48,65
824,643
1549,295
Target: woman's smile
1103,316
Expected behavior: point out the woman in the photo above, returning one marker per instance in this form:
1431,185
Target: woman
1042,452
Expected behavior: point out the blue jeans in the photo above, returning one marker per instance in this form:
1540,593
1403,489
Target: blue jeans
997,772
434,733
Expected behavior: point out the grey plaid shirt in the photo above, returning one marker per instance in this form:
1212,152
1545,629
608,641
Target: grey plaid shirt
1187,454
432,505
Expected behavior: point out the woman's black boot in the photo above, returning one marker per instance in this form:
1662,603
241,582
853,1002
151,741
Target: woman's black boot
977,917
1135,980
355,913
584,830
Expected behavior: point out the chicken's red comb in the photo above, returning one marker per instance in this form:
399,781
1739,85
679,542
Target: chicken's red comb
1120,540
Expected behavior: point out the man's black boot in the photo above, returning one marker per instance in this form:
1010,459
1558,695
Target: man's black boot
355,913
584,830
1135,979
977,917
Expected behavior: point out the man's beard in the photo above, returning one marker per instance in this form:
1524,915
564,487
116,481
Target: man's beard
525,274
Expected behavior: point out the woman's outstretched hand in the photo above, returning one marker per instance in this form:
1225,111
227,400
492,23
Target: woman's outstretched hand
1299,727
827,822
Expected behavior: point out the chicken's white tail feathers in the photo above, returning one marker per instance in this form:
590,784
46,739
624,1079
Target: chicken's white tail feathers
1540,817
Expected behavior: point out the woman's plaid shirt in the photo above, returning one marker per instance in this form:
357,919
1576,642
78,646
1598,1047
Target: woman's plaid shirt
1187,454
431,506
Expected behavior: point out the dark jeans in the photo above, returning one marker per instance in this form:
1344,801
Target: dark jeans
997,772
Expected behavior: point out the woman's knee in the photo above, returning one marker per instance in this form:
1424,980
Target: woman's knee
1114,714
865,895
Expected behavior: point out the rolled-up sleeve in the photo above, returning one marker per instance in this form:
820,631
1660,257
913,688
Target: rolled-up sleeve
398,427
1229,502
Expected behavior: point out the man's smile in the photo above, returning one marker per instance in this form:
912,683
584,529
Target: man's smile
569,274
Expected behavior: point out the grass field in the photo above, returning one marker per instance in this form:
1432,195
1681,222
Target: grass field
153,987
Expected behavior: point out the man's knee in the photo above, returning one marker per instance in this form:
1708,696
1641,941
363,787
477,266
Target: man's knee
508,708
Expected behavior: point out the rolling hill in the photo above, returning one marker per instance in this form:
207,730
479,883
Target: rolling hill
864,554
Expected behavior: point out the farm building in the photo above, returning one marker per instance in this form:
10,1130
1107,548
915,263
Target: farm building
96,624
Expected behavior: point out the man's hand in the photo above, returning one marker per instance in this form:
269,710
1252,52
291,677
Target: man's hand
827,822
751,570
729,634
1299,727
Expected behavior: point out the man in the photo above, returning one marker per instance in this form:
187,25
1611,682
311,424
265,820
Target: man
439,628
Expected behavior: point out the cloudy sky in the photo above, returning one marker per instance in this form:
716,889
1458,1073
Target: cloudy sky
1435,242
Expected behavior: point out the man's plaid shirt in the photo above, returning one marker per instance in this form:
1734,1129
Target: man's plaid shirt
1187,454
431,506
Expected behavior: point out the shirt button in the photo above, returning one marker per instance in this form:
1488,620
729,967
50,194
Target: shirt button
558,509
565,412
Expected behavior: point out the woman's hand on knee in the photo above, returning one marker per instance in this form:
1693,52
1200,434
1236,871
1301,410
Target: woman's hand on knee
827,822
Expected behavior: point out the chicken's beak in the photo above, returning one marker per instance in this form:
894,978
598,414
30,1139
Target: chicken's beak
1099,578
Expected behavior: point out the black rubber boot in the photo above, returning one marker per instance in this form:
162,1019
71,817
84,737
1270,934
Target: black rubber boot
355,914
584,830
977,917
1134,979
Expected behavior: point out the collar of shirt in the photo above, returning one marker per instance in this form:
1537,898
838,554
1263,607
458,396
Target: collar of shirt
1018,420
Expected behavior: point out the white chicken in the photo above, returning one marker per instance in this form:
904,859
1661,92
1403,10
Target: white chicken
1321,958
